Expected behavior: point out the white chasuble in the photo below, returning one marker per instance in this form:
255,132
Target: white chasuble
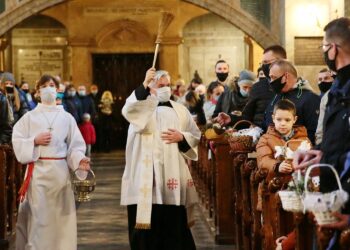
156,172
47,216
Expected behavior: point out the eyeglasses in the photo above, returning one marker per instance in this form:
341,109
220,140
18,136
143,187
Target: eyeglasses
325,46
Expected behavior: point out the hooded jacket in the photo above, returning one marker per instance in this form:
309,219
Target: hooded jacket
266,146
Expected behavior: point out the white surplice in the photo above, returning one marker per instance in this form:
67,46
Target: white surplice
169,179
47,216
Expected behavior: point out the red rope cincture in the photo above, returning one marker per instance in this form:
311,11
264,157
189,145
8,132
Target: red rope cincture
24,188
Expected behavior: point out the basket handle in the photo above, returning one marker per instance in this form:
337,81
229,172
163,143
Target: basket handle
243,121
308,171
89,171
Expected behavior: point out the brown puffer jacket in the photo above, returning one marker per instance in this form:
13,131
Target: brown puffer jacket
266,146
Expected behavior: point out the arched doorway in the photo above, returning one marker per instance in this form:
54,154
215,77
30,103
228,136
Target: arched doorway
39,45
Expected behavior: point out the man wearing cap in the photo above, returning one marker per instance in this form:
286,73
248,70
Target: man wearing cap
234,100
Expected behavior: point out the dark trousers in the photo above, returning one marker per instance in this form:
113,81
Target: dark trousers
169,229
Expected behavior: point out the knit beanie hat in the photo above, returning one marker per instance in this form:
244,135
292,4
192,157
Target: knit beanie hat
246,77
7,76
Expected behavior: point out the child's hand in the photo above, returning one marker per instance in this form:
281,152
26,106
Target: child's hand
84,164
285,168
43,139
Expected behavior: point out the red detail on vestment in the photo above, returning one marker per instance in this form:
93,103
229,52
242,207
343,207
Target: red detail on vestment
24,188
172,183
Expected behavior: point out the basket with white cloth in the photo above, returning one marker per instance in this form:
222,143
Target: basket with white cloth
322,205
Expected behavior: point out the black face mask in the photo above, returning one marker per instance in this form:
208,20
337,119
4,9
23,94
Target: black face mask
221,76
266,69
324,86
25,90
330,63
277,85
9,90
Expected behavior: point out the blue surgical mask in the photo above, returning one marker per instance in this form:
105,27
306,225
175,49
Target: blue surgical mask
60,95
244,93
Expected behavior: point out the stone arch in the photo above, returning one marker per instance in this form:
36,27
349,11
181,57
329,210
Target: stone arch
225,9
23,11
122,31
239,18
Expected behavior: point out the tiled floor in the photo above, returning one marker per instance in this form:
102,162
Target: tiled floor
102,223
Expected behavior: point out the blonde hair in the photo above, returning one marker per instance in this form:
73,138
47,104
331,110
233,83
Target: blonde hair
107,95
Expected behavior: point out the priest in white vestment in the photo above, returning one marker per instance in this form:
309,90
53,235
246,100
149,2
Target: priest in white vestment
157,185
48,140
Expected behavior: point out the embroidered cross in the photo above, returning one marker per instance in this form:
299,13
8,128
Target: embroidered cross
190,183
144,190
172,184
147,161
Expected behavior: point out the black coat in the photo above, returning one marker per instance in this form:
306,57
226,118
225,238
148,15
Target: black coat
307,106
74,107
336,128
5,123
259,97
229,101
88,105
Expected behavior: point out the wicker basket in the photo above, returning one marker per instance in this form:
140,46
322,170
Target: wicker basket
291,201
322,205
242,143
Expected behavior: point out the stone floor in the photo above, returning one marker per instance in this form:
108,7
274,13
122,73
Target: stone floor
102,222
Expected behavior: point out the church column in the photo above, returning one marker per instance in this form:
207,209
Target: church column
169,55
3,45
81,61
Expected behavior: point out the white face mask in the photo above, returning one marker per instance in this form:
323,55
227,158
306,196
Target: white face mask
48,95
163,94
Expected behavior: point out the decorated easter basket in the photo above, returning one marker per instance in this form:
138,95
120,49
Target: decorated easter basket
322,205
241,143
292,199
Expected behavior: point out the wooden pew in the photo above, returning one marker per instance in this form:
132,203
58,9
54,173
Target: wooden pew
224,196
11,176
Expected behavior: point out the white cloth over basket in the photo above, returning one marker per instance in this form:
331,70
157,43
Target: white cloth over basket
323,204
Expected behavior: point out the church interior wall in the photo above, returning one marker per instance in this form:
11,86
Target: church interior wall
307,19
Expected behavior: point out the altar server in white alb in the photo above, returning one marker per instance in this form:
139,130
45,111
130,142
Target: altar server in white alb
157,185
48,140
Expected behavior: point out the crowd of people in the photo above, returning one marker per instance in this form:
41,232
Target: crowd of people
157,185
277,99
89,110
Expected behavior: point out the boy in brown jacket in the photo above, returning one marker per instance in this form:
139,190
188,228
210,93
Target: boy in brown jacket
282,131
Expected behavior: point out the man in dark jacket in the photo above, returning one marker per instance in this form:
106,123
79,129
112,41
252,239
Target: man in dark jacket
73,104
87,103
335,144
222,71
286,85
261,94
